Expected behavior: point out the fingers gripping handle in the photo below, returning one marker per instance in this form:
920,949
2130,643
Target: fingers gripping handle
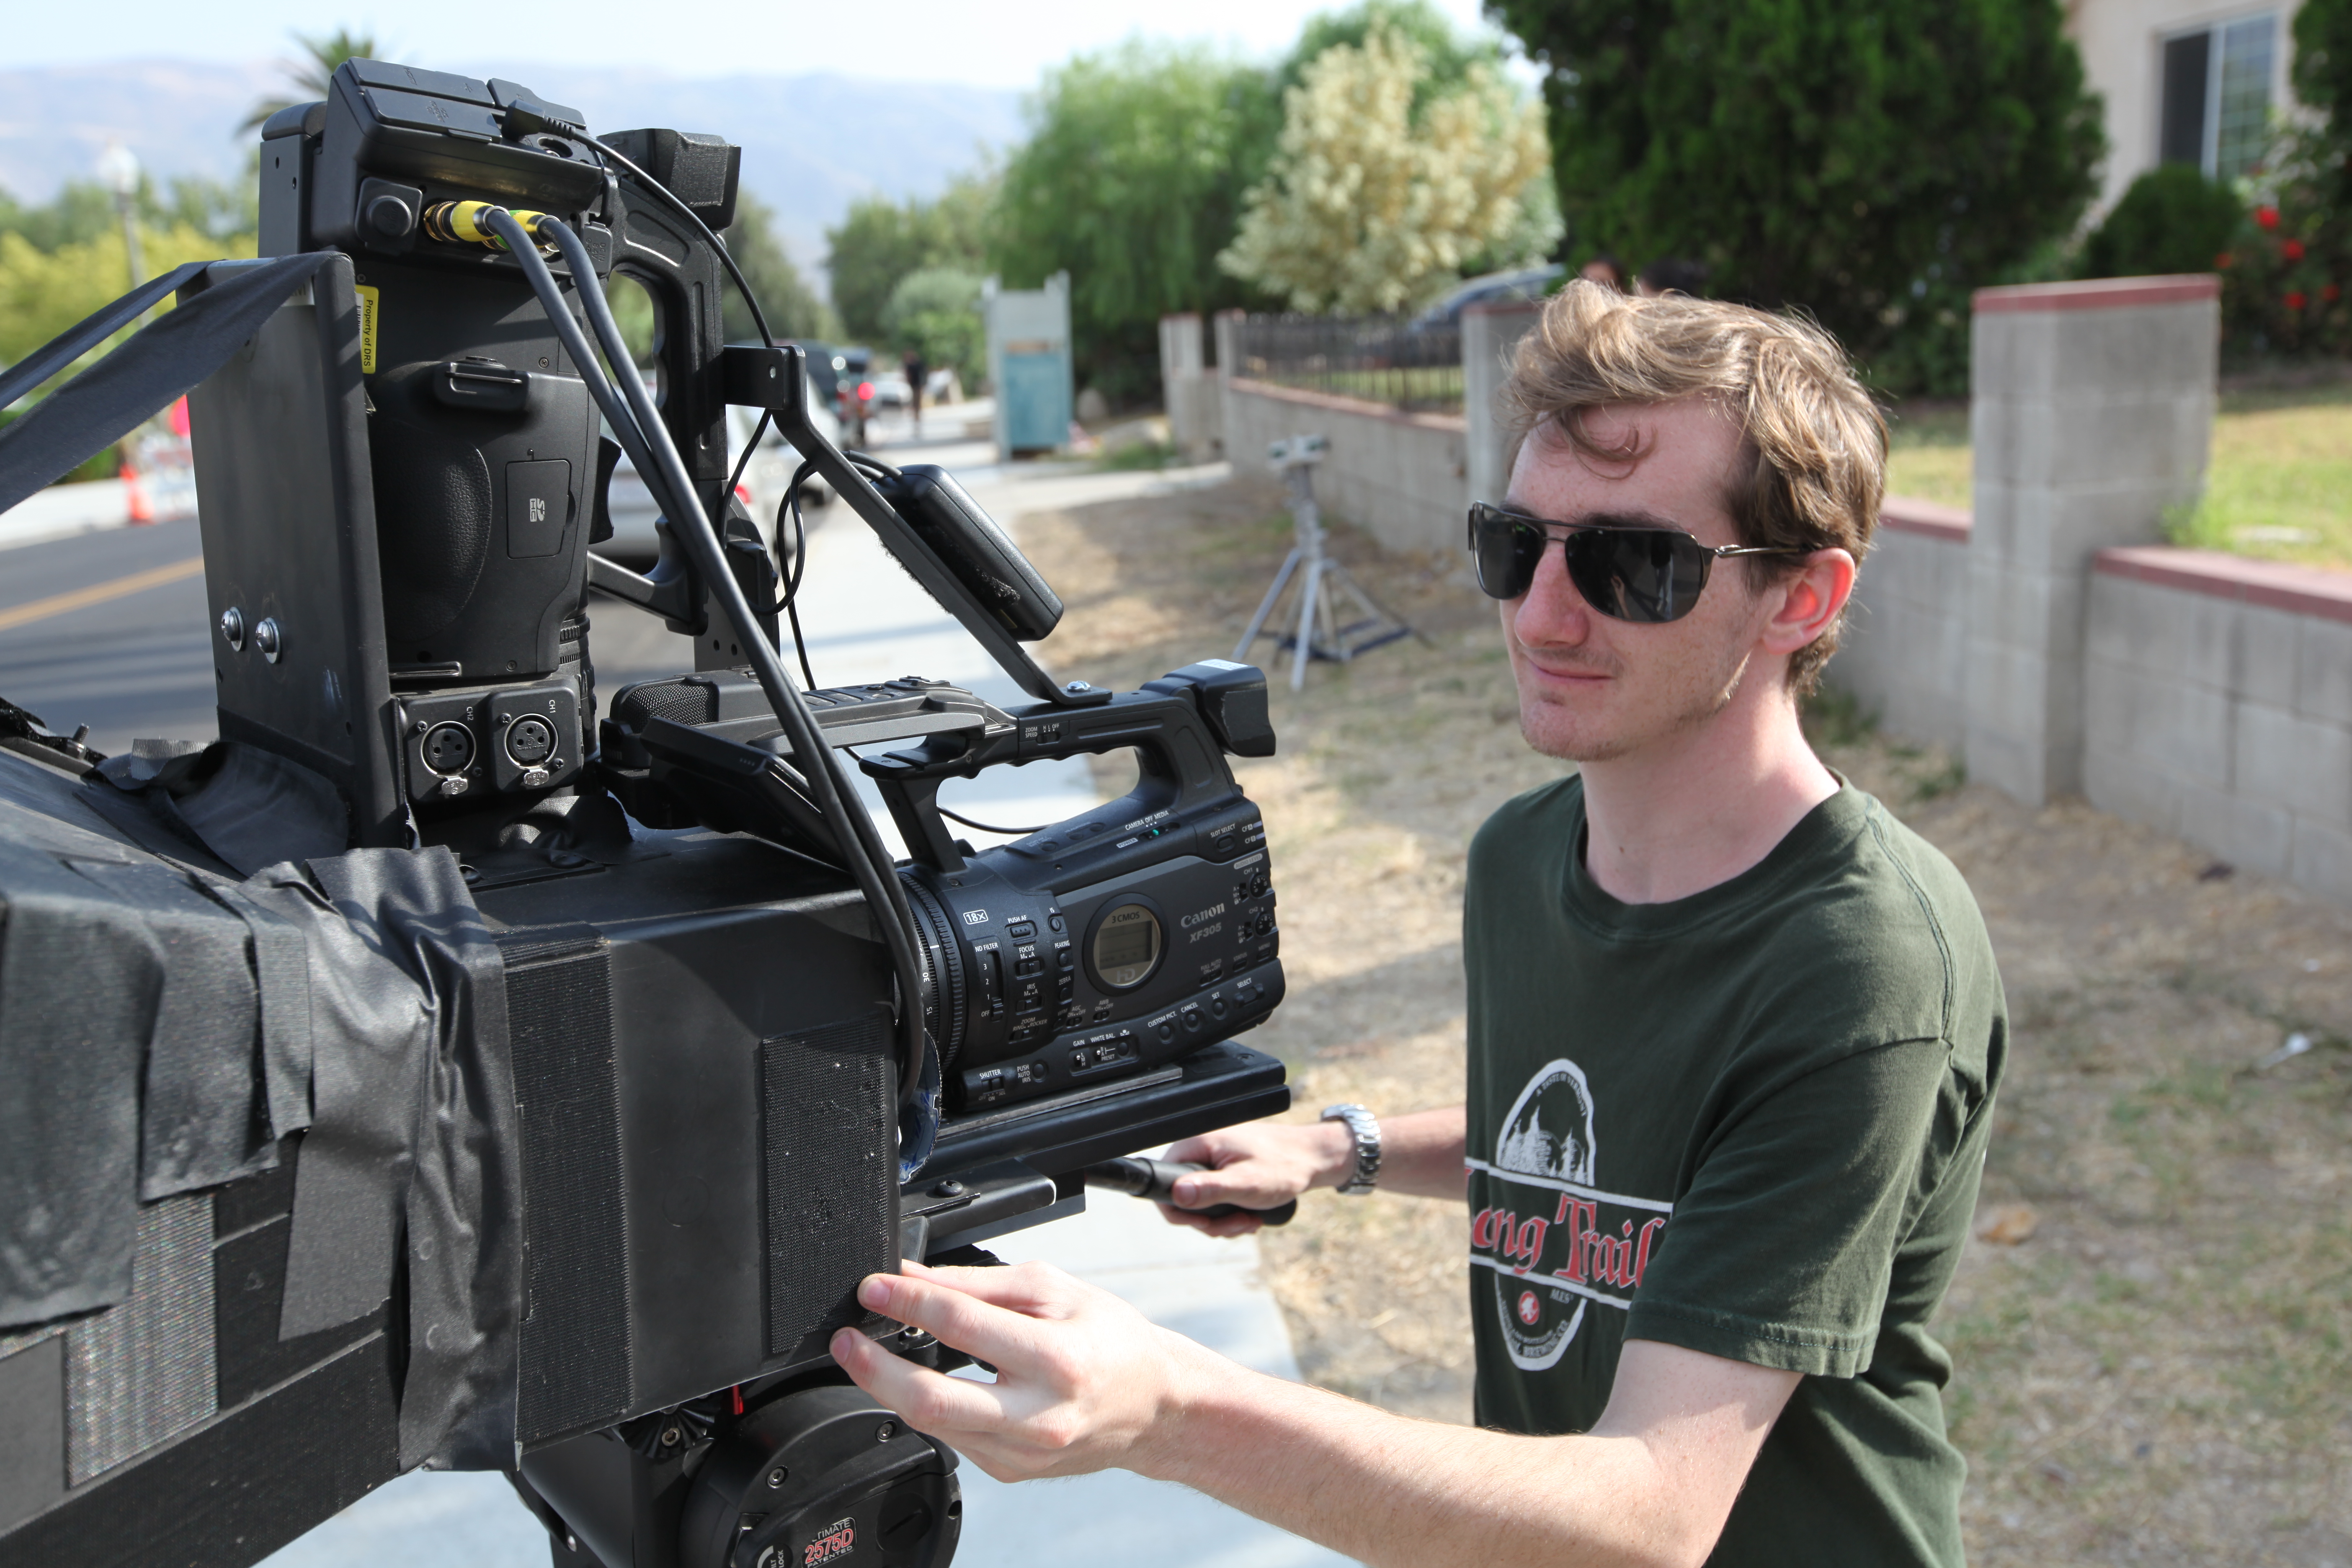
1156,1179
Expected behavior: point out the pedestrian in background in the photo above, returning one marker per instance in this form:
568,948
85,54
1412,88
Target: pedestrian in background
917,374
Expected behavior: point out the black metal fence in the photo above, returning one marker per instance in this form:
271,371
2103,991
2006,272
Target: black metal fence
1409,365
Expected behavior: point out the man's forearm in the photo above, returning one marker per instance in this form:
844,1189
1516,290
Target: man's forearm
1391,1491
1259,1164
1421,1152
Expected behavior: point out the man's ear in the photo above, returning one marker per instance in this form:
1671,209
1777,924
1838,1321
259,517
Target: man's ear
1810,601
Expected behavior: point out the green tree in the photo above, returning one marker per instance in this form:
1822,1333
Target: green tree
1132,181
2286,285
312,74
82,210
1871,161
2171,219
792,307
2323,60
936,312
1371,206
1448,56
881,241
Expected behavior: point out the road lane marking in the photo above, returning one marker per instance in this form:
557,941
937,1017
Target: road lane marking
100,593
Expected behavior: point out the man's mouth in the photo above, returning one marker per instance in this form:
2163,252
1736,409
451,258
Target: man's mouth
1553,669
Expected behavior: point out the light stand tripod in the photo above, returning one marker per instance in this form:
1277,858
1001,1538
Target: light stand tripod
1319,635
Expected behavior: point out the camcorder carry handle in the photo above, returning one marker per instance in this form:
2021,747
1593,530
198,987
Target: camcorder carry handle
775,380
1179,726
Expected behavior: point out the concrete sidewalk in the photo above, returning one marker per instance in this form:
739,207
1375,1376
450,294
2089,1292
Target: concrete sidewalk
867,620
62,511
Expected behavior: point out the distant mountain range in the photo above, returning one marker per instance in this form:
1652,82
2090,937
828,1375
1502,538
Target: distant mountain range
812,144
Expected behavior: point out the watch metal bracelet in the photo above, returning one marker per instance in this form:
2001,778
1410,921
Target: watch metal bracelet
1365,1129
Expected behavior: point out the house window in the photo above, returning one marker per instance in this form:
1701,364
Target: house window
2217,96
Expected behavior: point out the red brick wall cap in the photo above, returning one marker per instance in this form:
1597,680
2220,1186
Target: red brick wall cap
1451,423
2103,293
1905,514
2274,585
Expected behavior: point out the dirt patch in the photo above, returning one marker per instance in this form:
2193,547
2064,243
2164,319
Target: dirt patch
2155,1348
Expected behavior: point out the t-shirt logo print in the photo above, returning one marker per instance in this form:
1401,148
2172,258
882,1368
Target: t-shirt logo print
1543,1236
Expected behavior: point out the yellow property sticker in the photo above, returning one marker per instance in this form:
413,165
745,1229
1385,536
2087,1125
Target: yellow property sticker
371,312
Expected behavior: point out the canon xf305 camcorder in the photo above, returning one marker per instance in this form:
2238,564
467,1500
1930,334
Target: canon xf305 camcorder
439,1069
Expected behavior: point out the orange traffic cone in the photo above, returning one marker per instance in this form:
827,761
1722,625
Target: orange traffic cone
142,510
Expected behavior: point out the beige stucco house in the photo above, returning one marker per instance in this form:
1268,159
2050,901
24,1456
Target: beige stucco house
2184,81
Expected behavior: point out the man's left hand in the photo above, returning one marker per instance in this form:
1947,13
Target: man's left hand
1084,1382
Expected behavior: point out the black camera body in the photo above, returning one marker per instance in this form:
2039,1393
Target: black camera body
1120,940
705,1130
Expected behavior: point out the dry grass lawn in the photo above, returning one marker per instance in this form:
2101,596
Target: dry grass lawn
2155,1355
2279,484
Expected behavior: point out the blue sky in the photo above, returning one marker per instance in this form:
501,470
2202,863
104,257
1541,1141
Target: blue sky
992,45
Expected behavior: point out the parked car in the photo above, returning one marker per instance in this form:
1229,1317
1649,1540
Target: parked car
631,505
1494,289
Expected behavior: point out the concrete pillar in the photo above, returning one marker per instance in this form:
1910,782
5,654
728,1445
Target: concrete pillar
1490,335
2092,414
1187,390
1227,325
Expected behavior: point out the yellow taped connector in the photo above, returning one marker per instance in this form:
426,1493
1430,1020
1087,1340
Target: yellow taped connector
468,223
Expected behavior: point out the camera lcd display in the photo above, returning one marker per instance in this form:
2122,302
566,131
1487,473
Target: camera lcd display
1127,946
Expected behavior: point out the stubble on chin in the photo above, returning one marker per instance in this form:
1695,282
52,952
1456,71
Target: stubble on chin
1551,730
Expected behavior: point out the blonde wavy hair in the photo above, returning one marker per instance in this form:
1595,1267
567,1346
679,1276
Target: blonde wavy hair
1812,464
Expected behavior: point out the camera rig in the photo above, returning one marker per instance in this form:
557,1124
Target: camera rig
552,1079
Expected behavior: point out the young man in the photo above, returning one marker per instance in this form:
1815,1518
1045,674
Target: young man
1734,1037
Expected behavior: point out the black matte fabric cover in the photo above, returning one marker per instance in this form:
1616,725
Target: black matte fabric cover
162,1025
249,807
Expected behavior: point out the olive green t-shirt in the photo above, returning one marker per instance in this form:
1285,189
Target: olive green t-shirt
1748,1122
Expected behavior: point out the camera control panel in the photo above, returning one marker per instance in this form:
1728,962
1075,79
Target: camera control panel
1041,991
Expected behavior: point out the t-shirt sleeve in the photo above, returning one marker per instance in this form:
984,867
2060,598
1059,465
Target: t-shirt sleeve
1780,1252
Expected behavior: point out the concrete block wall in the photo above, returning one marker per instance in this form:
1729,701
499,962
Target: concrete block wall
1905,651
2091,412
1490,336
2220,707
1401,478
1189,391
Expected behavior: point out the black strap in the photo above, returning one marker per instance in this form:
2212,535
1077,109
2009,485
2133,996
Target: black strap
162,362
89,331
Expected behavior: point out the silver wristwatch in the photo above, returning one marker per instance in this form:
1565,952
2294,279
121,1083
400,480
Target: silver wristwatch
1366,1128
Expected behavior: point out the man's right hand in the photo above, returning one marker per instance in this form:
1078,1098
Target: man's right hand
1257,1165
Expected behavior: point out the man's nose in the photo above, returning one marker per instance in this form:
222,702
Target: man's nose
1551,610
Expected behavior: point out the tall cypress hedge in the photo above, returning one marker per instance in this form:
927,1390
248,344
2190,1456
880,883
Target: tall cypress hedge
1870,161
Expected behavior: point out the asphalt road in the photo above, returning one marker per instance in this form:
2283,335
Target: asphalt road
107,630
110,630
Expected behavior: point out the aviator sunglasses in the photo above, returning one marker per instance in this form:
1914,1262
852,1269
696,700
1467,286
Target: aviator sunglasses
1646,575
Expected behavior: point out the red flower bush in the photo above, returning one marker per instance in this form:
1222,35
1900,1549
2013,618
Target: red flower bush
2295,301
2266,216
2292,249
2331,293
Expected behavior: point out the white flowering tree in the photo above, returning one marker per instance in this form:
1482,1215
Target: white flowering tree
1369,207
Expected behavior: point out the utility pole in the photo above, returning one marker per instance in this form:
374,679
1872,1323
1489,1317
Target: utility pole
119,167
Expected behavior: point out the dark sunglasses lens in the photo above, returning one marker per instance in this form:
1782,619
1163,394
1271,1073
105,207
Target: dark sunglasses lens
1645,575
1505,552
